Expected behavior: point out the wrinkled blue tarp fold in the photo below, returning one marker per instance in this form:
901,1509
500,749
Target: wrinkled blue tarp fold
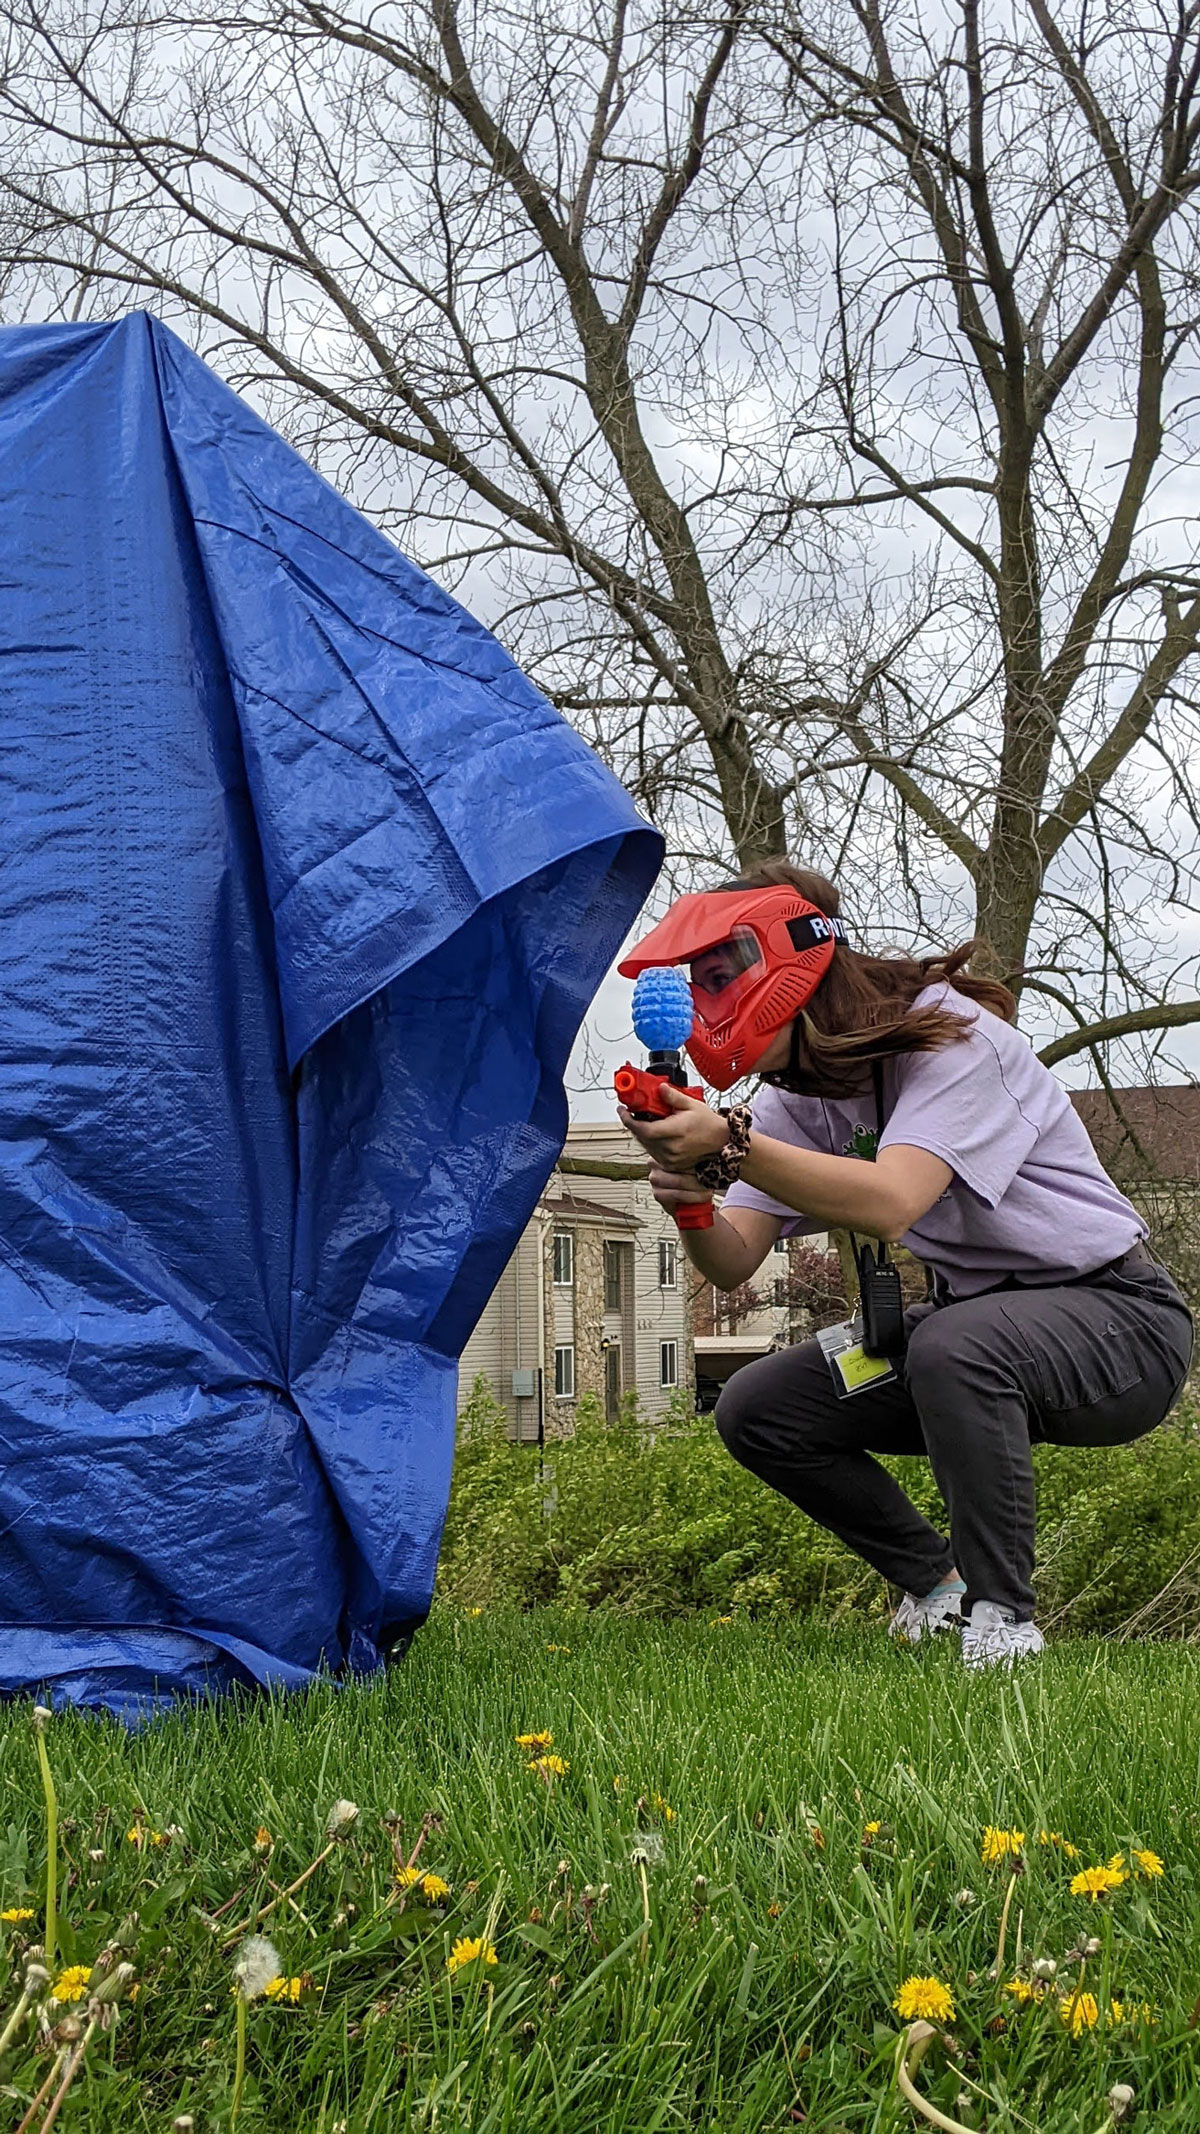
304,891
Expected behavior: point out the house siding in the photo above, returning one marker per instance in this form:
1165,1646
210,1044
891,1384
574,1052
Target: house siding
514,1334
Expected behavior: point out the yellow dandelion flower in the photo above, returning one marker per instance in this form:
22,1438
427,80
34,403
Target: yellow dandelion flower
721,1619
1001,1845
1080,2012
871,1831
664,1809
135,1835
1148,1865
1117,1862
435,1889
924,1998
1060,1844
263,1841
472,1612
558,1648
1116,2011
17,1916
1096,1882
1022,1992
70,1984
407,1877
466,1951
773,1911
619,1784
284,1989
544,1740
549,1766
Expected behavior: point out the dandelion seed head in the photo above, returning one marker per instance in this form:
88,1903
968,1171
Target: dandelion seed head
341,1819
256,1965
648,1849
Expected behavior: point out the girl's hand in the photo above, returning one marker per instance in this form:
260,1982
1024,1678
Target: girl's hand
674,1189
677,1143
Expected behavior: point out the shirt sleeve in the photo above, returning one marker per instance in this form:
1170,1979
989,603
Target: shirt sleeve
770,1116
957,1103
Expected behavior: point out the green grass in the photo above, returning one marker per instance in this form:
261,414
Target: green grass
760,1995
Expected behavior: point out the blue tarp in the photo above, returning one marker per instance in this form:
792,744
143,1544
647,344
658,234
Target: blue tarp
304,891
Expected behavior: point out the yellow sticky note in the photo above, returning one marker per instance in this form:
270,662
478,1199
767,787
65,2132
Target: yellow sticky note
859,1369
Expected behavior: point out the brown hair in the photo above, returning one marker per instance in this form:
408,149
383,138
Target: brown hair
862,1009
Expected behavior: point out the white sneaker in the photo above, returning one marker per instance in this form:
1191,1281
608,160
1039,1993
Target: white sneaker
918,1617
993,1637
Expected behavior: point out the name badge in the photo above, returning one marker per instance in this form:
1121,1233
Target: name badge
851,1369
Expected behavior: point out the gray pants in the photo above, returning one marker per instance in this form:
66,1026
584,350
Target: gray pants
1098,1362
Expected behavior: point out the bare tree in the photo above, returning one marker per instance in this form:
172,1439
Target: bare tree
807,392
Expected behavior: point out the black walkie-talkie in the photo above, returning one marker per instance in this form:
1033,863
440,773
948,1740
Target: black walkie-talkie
882,1300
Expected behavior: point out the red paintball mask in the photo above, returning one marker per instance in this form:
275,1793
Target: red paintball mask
754,958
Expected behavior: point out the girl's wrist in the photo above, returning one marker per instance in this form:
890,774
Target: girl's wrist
724,1166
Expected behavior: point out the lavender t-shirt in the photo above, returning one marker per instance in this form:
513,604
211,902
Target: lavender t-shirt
1029,1197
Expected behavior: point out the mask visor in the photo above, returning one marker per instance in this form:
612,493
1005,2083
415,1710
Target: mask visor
721,976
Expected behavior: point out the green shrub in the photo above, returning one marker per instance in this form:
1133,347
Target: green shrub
658,1520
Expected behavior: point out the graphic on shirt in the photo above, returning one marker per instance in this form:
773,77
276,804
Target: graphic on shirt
864,1142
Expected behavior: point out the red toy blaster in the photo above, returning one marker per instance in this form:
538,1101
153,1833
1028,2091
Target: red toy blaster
640,1090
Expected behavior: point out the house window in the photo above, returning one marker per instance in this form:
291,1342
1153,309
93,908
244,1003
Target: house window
668,1263
564,1372
781,1289
612,1278
564,1259
668,1363
780,1245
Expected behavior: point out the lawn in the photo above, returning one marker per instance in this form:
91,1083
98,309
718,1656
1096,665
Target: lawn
692,1925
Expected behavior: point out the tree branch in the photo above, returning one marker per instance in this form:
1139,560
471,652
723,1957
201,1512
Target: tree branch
1170,1016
